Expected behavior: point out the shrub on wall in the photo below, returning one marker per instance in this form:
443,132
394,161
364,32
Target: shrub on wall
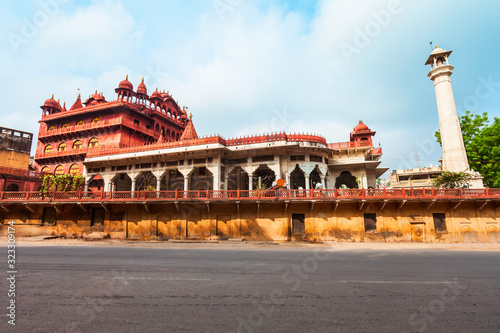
65,183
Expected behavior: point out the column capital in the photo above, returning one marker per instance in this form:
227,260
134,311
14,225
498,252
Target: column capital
185,170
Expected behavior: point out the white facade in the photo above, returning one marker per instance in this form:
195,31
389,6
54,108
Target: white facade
247,166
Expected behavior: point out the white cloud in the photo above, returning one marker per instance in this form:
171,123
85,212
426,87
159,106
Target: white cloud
235,73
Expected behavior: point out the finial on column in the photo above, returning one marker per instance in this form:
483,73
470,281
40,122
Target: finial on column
126,78
190,116
52,96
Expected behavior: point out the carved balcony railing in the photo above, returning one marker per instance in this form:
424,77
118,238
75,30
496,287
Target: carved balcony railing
253,195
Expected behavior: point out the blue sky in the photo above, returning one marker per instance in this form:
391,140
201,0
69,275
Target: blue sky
247,67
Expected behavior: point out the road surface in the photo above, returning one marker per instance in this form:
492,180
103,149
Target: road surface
273,289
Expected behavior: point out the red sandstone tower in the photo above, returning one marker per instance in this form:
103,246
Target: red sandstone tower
134,118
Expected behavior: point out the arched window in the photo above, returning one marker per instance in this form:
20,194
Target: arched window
51,128
65,125
93,143
74,169
59,170
96,120
77,145
80,123
62,147
45,169
12,188
48,149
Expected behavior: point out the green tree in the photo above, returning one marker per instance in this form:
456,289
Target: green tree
482,143
451,180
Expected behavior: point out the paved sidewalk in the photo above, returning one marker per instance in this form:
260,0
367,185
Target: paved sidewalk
238,244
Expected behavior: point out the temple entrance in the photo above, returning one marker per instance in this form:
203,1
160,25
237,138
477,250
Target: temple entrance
347,179
263,177
297,178
238,179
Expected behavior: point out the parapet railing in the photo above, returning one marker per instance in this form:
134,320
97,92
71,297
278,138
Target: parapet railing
294,137
349,144
246,195
21,172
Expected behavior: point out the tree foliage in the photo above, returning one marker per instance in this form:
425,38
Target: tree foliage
52,183
482,143
451,180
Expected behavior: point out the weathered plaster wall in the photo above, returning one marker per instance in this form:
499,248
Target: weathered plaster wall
468,221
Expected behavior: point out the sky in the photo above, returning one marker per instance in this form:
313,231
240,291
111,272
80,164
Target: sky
249,67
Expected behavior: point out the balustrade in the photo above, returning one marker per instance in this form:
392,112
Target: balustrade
245,195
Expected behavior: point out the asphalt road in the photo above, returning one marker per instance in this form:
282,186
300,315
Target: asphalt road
123,289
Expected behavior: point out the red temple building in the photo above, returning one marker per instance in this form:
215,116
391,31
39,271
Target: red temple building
134,118
148,175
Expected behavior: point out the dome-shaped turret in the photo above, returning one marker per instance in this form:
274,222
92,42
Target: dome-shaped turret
125,90
99,97
165,95
141,88
362,134
125,84
437,50
52,103
361,127
156,94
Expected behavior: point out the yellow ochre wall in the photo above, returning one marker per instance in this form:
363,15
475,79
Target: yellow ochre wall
468,221
12,159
